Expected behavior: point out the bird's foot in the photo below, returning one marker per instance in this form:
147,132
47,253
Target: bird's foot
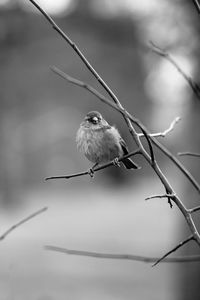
116,162
91,172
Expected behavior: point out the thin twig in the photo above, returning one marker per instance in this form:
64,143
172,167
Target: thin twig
194,209
106,165
190,238
164,133
194,86
160,196
13,227
84,85
189,154
132,257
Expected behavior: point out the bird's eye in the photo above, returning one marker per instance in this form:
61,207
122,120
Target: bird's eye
95,120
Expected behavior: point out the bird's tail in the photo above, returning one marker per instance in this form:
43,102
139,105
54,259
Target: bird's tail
129,164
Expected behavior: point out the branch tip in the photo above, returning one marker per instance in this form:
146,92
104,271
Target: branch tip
191,237
160,196
31,216
188,154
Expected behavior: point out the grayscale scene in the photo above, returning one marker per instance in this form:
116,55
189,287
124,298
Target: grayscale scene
99,150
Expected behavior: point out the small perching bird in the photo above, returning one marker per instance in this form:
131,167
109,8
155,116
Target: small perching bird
101,143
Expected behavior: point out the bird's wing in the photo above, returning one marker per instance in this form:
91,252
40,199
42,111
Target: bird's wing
124,146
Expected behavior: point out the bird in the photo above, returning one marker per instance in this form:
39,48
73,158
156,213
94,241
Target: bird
101,142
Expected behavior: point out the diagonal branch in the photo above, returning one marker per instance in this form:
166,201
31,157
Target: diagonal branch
190,238
194,86
131,257
13,227
84,85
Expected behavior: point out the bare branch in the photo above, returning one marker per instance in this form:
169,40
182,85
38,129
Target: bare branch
84,85
132,257
189,154
194,86
164,133
194,209
160,196
174,249
106,165
13,227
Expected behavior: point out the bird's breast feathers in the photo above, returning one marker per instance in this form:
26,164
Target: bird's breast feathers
99,145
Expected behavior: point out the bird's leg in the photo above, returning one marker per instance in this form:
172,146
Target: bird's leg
91,170
116,162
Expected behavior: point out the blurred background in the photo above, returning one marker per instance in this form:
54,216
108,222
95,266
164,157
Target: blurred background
40,114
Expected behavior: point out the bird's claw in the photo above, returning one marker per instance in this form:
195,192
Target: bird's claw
116,162
91,172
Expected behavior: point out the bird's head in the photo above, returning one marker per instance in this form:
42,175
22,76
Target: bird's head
94,120
93,117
